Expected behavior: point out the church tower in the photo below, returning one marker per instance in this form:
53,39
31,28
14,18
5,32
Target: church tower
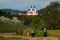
34,9
31,8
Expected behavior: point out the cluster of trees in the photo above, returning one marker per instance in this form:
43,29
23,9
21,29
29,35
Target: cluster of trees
34,22
14,20
51,15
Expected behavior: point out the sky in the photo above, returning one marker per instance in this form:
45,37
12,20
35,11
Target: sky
24,4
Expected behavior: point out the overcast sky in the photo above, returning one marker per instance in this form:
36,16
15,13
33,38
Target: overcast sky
23,4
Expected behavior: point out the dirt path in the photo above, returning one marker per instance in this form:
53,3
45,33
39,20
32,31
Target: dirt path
41,38
29,38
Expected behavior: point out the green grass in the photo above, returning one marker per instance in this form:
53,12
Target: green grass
50,33
13,38
38,33
9,27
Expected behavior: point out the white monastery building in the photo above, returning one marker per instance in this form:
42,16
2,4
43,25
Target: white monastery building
31,11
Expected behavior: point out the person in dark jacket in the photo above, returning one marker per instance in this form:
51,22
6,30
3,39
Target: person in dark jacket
45,32
32,33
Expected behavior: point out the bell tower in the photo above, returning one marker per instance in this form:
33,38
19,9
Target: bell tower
34,6
31,8
34,9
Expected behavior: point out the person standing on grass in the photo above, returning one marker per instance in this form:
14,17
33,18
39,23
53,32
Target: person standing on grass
45,32
32,33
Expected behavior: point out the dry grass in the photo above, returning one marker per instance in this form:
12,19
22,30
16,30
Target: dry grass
54,33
